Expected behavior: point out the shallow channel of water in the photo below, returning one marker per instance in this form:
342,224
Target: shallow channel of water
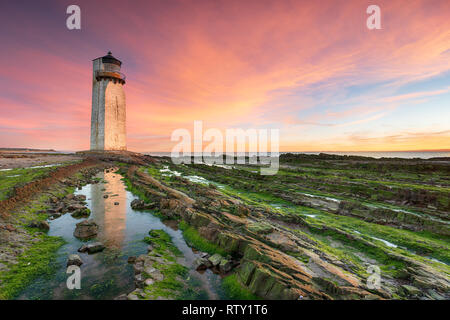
107,274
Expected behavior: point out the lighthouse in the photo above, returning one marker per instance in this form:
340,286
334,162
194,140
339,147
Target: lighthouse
108,116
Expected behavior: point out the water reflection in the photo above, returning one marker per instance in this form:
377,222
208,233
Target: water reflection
107,274
110,213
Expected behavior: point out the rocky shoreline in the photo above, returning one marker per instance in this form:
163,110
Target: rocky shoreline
277,238
275,261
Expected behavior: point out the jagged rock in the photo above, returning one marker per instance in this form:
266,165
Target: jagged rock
235,220
80,197
225,265
410,290
58,209
260,227
74,259
86,229
132,259
215,259
75,206
55,215
202,264
81,212
83,248
243,210
155,274
137,204
139,281
171,207
434,295
43,225
135,295
92,247
138,266
121,297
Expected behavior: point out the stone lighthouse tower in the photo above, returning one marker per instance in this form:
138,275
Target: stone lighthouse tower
108,117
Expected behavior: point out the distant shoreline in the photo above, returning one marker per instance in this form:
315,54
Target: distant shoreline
26,150
425,154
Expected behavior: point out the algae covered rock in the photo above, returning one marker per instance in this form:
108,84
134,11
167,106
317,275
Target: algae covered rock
81,212
215,259
75,260
43,225
92,247
410,290
225,265
86,229
260,227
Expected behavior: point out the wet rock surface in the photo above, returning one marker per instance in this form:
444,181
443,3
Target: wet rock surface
159,267
74,259
279,254
30,205
86,229
319,227
92,247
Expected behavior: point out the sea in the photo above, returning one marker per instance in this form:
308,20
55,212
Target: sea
373,154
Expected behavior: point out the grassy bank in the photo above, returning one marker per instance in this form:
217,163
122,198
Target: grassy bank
37,261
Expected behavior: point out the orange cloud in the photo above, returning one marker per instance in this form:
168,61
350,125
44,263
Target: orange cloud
228,63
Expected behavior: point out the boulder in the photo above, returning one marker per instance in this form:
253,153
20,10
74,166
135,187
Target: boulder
56,215
82,212
137,204
154,273
135,295
202,264
225,265
59,208
43,225
80,197
86,229
75,260
75,206
215,259
138,267
139,281
92,247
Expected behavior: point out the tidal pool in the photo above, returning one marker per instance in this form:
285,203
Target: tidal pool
108,274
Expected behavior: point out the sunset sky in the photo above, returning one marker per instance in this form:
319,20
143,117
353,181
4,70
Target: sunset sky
310,68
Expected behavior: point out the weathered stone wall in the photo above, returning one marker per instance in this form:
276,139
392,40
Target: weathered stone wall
115,117
108,117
